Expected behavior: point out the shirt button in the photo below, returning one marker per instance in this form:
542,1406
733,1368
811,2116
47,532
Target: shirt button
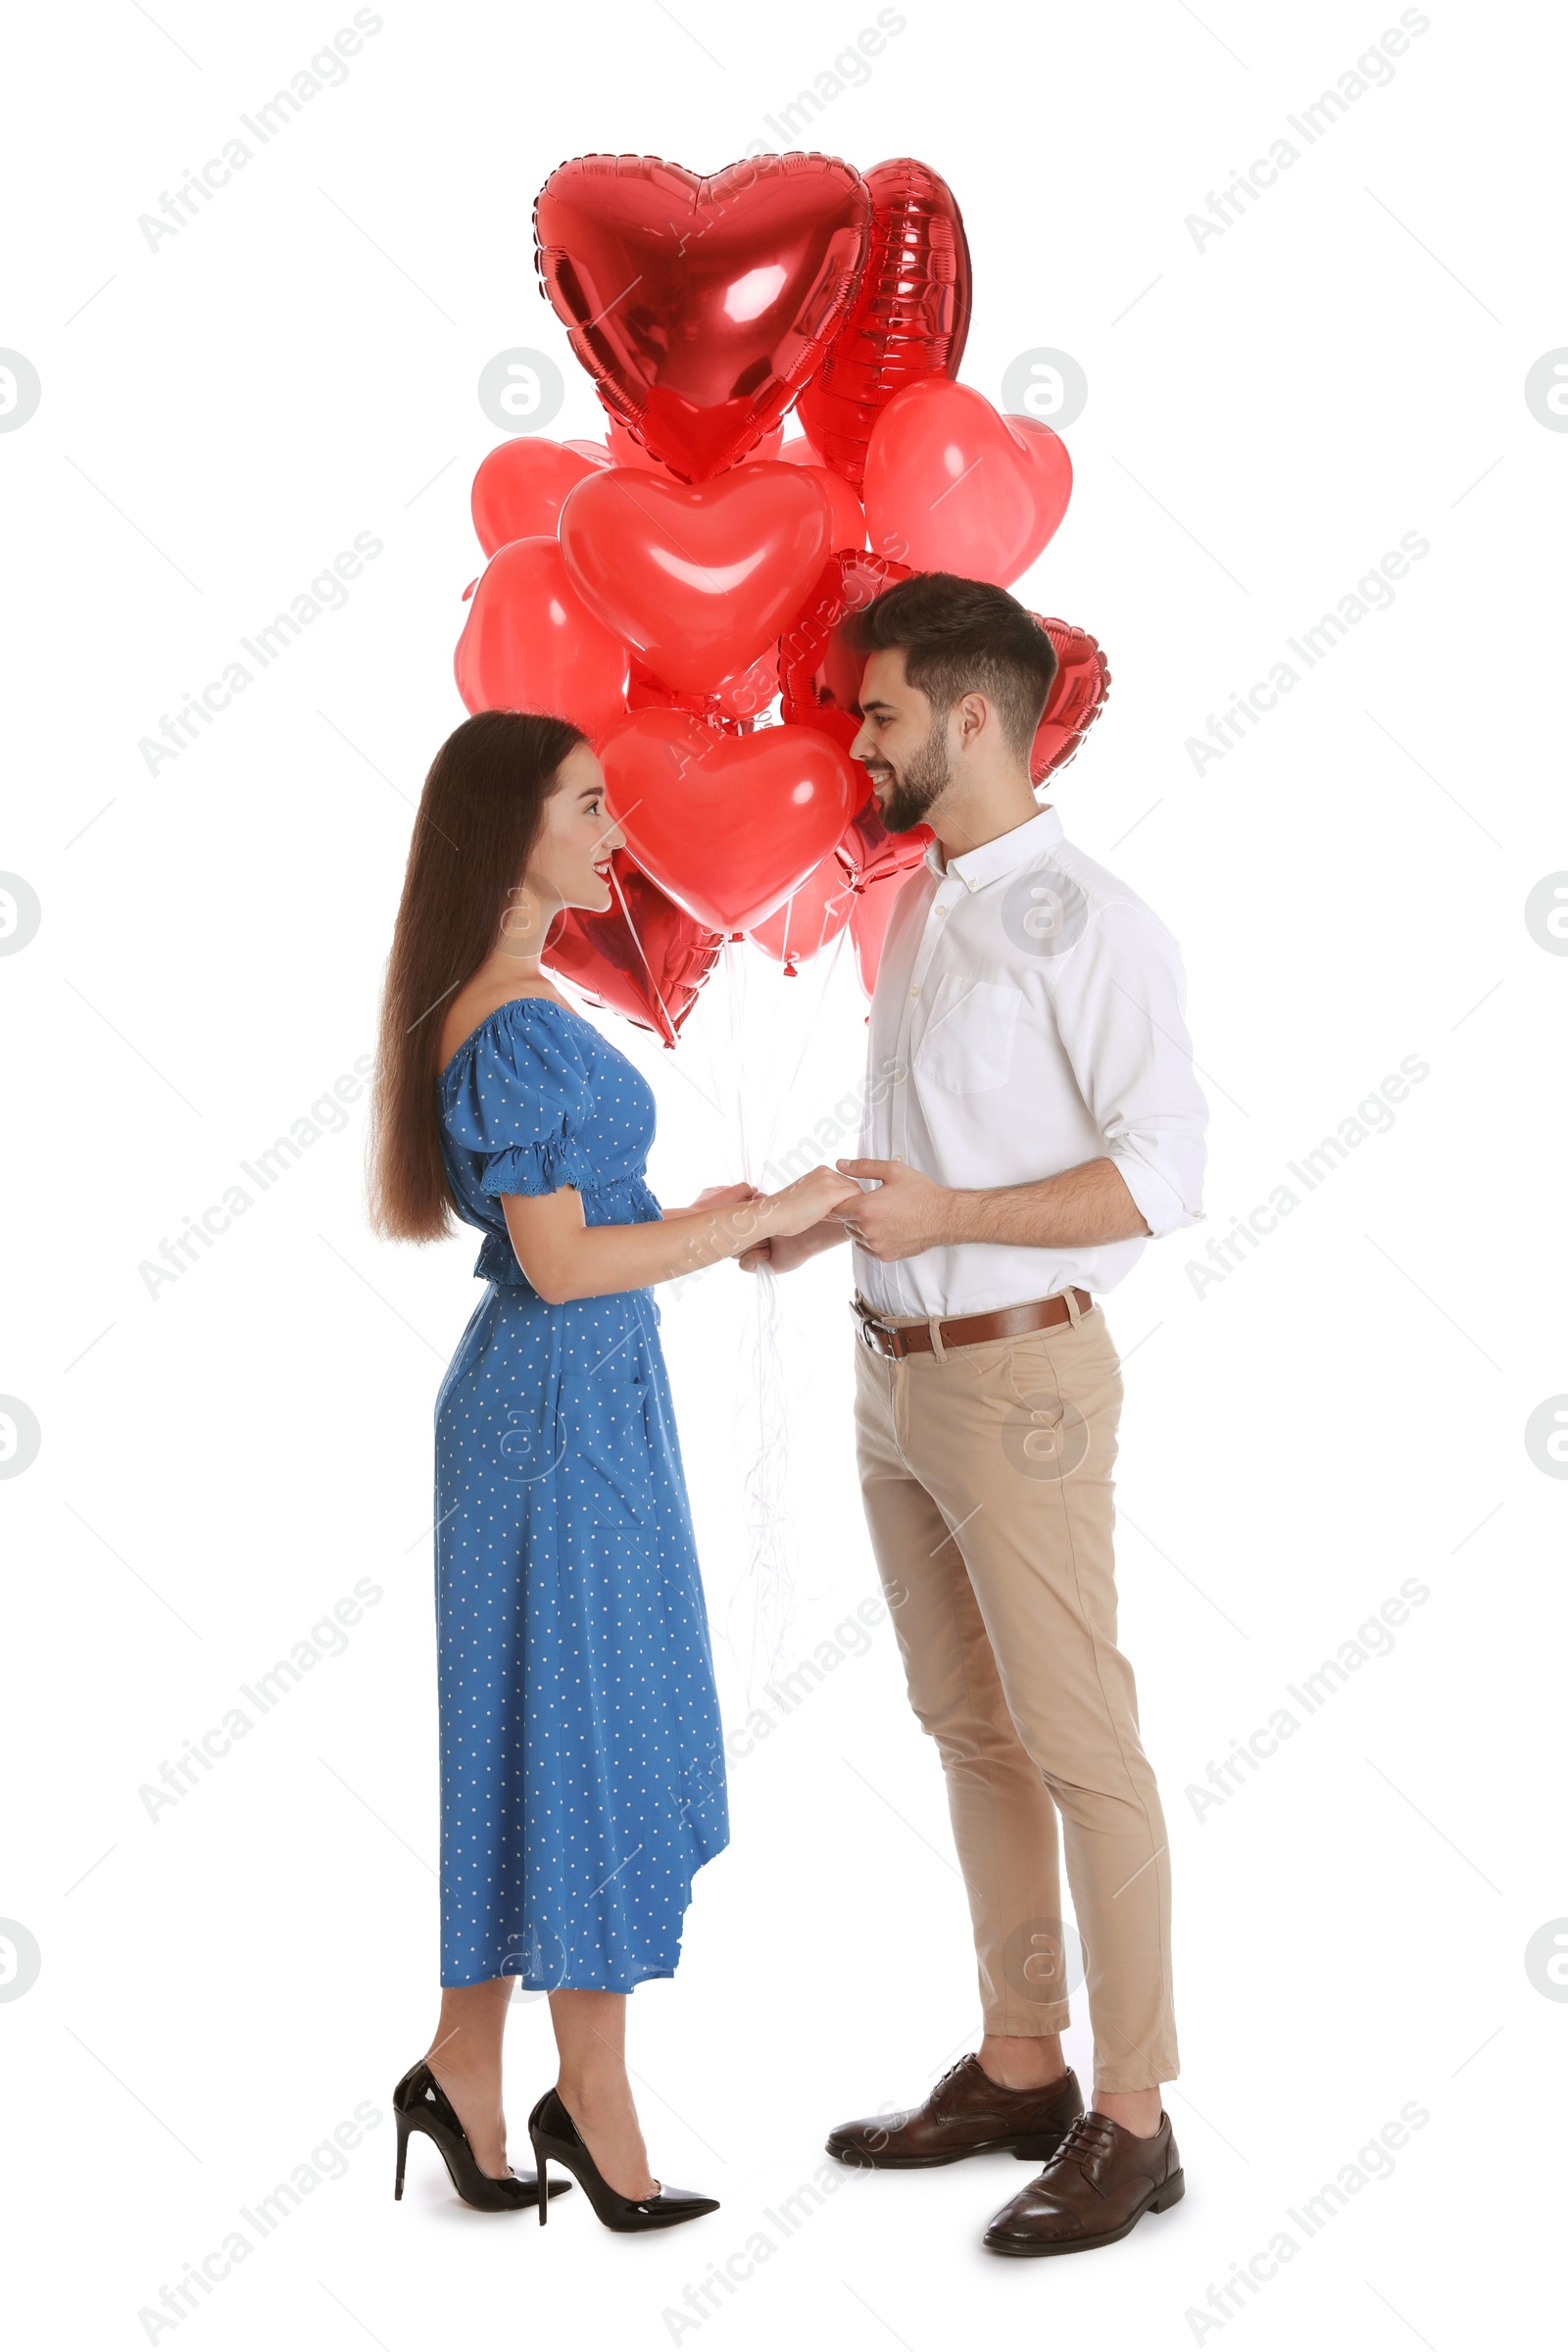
942,910
899,1071
915,990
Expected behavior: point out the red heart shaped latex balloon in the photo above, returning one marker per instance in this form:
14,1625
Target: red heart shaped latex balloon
812,914
697,578
531,643
848,516
727,826
952,485
523,485
819,677
645,956
700,307
911,318
1076,698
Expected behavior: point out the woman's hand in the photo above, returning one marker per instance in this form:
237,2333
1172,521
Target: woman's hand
716,1195
565,1257
807,1202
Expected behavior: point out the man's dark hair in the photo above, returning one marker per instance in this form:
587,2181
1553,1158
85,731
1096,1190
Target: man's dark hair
963,637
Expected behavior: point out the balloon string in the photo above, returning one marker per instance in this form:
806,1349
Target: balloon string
762,1601
768,1487
783,1102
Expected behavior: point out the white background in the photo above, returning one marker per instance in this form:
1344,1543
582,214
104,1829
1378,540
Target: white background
1266,417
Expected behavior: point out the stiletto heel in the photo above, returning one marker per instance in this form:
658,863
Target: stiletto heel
553,2133
421,2105
542,2170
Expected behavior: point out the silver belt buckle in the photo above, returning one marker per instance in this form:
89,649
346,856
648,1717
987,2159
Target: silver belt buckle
869,1323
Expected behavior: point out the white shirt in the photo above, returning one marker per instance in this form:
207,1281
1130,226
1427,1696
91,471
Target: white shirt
1029,1015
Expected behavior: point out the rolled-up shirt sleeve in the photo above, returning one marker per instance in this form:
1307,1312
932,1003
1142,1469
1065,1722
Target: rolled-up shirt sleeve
1121,1002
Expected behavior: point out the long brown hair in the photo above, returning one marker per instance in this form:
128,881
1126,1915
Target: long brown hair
479,819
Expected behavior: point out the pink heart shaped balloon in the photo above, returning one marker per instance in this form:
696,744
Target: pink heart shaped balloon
523,485
952,485
529,643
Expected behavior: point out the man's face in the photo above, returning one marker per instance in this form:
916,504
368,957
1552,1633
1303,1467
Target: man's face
902,744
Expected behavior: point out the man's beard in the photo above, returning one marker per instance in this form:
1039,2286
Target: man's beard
925,779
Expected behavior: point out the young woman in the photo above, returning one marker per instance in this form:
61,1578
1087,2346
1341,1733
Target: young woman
582,1775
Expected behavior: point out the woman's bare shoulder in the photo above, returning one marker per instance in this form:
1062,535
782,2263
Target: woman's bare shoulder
474,1005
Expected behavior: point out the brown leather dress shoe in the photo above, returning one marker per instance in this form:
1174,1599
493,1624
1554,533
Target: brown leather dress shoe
1100,2180
966,2115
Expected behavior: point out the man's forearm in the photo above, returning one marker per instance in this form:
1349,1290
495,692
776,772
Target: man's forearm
1081,1208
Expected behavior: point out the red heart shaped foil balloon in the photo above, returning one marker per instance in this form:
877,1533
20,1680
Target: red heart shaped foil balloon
523,485
733,706
812,914
700,307
1077,697
952,485
868,925
531,643
697,578
869,853
911,318
647,693
745,698
644,956
727,826
624,449
819,677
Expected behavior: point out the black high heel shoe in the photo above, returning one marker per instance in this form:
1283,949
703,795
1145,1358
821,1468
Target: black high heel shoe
421,2105
555,2134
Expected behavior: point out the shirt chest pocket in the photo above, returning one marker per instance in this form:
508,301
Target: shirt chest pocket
967,1045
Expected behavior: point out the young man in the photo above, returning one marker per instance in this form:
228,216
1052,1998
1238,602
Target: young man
1031,1118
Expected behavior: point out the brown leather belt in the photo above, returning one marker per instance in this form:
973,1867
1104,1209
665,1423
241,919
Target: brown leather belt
897,1340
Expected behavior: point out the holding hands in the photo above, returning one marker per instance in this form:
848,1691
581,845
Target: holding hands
898,1216
771,1228
899,1213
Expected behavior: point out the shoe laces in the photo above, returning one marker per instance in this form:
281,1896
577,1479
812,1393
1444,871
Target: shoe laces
1086,2141
958,2067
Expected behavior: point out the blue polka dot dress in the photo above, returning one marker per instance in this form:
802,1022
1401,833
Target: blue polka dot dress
582,1769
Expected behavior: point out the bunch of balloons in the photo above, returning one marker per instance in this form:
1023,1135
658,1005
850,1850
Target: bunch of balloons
666,587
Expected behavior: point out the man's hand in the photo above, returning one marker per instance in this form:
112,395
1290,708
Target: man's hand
906,1214
1082,1207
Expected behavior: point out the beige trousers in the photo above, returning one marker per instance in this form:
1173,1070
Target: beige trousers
987,1479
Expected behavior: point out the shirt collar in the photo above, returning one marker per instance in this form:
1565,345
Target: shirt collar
1020,845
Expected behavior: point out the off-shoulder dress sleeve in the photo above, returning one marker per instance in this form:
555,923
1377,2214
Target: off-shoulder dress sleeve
517,1099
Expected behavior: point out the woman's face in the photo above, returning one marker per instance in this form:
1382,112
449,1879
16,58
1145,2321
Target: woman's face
570,861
